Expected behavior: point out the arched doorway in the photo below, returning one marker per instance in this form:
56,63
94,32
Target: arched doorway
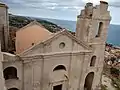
13,89
59,78
89,81
10,73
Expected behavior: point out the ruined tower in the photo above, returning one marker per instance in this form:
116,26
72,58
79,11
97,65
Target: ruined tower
92,28
4,24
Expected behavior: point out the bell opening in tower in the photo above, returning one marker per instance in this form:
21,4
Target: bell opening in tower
100,27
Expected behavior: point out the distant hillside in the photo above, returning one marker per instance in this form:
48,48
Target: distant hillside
21,21
70,25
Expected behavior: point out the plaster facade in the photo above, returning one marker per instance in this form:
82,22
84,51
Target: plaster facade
62,61
24,36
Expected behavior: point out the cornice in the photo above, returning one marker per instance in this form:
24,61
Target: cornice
56,54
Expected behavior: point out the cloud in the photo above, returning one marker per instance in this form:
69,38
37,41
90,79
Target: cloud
52,8
44,3
114,3
55,8
54,4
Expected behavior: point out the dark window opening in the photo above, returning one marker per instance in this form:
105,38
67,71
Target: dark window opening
61,45
100,27
12,52
58,87
10,73
93,59
88,81
13,89
60,67
3,39
90,15
33,44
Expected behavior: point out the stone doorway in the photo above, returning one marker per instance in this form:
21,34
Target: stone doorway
57,87
89,81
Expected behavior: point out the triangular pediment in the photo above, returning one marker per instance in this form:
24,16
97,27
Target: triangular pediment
54,40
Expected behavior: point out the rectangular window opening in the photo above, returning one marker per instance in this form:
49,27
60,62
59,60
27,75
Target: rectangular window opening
58,87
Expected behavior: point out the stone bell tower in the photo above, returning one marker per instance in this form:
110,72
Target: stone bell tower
83,22
93,22
92,28
4,27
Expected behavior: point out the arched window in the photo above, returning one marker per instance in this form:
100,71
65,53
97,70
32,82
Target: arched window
13,89
93,59
88,81
10,73
100,27
59,67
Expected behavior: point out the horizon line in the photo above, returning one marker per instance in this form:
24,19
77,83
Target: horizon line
54,18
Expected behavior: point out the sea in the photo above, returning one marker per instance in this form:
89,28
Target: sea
113,32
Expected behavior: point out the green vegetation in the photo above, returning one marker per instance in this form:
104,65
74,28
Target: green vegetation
50,26
104,87
114,72
116,83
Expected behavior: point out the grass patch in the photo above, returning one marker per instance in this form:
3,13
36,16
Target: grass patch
103,87
116,83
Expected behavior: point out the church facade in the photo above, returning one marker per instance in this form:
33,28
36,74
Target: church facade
62,61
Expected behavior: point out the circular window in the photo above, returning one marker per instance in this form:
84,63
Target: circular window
61,45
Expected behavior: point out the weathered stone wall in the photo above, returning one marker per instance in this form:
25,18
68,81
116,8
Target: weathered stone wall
39,70
4,27
95,35
15,62
2,82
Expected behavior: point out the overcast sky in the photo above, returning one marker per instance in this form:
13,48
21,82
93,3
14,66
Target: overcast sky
58,9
